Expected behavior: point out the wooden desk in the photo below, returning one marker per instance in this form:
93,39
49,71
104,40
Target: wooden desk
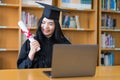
102,73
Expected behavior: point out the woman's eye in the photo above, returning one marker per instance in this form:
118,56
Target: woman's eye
51,24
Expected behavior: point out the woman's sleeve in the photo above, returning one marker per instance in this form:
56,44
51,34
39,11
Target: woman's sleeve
66,41
23,59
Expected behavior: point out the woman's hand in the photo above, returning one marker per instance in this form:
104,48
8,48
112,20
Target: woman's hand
33,49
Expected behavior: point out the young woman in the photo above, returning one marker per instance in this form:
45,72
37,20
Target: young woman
47,34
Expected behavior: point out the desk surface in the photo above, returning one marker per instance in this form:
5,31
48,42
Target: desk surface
102,73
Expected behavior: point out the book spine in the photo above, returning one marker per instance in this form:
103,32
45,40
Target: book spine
32,2
112,4
72,22
0,1
77,21
111,59
102,59
118,5
106,59
102,5
78,4
66,22
103,38
30,20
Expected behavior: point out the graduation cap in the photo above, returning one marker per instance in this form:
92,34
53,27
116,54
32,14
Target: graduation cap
51,12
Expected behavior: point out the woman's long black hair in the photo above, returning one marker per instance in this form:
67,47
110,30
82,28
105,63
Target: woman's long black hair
57,35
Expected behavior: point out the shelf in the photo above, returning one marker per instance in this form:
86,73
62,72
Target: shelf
4,49
110,30
9,27
110,11
110,49
9,5
30,6
84,10
74,29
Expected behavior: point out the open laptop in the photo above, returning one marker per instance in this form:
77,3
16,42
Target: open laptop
74,60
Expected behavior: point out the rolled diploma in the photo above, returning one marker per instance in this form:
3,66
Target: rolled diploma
24,28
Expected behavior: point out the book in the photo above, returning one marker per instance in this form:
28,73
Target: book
65,21
103,4
111,59
72,22
118,5
77,21
107,41
65,1
102,59
33,2
112,4
109,4
45,1
103,20
103,38
107,58
86,1
108,22
30,20
75,1
77,4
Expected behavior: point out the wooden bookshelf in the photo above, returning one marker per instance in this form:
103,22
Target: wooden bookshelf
9,33
115,32
87,32
11,36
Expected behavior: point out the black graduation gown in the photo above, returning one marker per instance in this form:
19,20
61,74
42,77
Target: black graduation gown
42,58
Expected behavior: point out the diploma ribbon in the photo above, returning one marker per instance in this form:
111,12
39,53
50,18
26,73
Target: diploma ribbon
28,34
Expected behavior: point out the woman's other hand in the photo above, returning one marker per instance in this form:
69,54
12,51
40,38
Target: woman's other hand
33,49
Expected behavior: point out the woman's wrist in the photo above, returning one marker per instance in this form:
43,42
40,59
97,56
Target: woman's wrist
31,55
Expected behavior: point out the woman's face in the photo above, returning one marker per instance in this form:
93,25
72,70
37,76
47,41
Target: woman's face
47,27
